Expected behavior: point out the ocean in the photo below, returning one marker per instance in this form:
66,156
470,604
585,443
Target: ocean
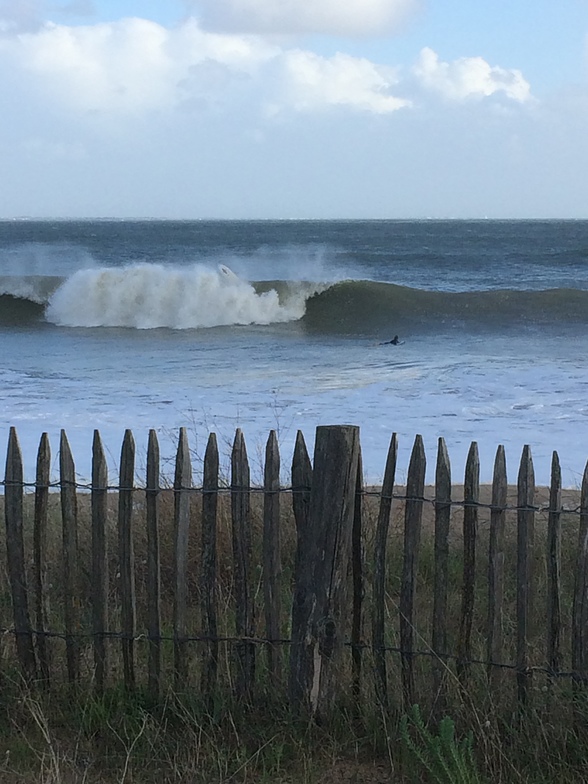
283,325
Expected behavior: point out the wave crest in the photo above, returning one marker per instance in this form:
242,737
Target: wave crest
147,296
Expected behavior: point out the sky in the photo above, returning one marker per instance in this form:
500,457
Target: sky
293,109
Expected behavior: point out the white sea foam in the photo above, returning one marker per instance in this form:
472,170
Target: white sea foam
146,296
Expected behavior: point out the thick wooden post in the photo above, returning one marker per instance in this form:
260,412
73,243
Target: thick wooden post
441,578
379,584
13,511
525,536
413,515
271,557
471,492
208,584
152,495
496,567
182,492
321,588
244,610
40,554
127,558
99,560
71,593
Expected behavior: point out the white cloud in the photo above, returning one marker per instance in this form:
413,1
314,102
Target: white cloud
134,66
469,77
311,81
130,66
332,17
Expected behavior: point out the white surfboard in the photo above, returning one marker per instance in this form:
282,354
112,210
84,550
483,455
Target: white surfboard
226,272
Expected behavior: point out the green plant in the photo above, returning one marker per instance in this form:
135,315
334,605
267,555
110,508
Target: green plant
443,758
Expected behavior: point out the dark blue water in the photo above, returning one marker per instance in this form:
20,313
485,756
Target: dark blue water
131,324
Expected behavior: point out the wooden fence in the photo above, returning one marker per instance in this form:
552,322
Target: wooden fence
373,599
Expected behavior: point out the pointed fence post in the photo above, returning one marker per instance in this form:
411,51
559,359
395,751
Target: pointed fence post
525,537
40,554
496,569
301,489
152,496
321,588
241,529
379,583
471,491
127,558
99,502
272,566
554,569
413,515
208,584
182,494
441,578
301,486
71,593
13,511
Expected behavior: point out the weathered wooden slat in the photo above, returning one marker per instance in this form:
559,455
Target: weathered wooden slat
358,590
40,555
580,603
554,568
127,558
69,516
271,557
241,534
152,498
441,577
413,514
301,486
182,494
496,568
525,536
379,583
321,589
99,502
208,584
471,493
13,512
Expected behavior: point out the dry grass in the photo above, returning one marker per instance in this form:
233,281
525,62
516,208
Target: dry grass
64,736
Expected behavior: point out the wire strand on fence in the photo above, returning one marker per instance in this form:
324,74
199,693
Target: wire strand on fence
262,641
228,490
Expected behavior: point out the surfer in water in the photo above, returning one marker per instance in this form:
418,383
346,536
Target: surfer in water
394,342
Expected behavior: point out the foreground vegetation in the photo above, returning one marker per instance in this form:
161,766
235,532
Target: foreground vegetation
59,734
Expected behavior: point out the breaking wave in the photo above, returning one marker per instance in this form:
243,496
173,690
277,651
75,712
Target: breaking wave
146,296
